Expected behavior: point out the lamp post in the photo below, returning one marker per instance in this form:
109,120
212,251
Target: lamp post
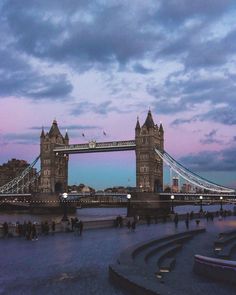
200,203
128,205
64,201
172,203
221,205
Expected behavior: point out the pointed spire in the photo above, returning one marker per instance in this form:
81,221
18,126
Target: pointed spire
161,128
42,133
54,131
66,135
149,123
137,124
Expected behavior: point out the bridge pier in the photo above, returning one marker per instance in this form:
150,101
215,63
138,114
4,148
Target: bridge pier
152,204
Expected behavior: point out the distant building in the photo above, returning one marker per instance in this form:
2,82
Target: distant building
12,169
175,184
187,188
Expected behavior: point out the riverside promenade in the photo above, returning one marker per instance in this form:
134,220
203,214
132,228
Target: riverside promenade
66,263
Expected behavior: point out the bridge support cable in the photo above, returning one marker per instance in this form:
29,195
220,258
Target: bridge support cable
26,184
15,182
190,176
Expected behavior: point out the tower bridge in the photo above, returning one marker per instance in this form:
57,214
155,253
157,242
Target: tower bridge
55,150
148,145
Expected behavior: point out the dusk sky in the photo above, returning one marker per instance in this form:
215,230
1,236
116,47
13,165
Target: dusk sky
95,66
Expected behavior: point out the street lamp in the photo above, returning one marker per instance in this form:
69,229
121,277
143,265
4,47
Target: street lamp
128,205
221,205
200,203
172,203
64,201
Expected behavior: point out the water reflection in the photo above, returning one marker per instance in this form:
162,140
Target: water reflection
87,214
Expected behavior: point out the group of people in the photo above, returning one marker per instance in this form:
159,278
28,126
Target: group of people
29,229
188,217
131,225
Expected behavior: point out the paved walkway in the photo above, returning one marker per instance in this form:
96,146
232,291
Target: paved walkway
69,264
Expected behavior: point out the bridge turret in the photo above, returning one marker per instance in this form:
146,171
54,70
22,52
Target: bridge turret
54,168
149,166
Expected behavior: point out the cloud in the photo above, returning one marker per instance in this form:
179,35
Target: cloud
182,121
206,161
85,35
210,138
21,138
102,108
177,11
19,79
138,68
224,115
116,37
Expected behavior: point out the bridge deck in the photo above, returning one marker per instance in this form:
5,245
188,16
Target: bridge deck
94,147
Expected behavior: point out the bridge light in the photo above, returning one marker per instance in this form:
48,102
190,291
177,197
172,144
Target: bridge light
221,205
201,197
172,203
64,195
65,217
128,205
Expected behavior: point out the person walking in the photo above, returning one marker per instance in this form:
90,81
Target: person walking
34,236
53,227
176,219
81,227
129,225
133,226
187,222
5,230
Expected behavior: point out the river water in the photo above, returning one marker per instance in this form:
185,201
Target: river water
87,214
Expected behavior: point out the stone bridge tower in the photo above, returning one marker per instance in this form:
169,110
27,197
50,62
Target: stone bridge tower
149,166
54,168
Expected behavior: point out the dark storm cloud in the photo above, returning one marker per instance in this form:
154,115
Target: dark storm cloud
224,160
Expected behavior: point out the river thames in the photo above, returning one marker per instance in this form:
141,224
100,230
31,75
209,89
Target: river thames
89,214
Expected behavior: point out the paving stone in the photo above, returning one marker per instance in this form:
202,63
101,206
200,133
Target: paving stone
69,264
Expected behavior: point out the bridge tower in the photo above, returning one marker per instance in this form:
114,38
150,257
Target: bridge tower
54,167
149,166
